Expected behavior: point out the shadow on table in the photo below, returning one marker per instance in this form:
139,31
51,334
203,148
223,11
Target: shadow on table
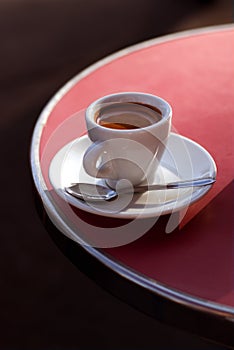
191,260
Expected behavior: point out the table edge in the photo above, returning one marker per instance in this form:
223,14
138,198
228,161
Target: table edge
152,285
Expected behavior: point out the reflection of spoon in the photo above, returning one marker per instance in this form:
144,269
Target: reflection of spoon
93,192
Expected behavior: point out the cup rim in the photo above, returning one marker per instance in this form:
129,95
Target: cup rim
89,113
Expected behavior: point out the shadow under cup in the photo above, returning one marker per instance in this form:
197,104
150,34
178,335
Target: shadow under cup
129,134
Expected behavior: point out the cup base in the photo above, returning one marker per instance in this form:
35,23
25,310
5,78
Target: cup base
119,185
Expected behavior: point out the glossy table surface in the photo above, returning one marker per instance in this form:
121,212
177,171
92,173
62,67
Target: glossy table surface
192,266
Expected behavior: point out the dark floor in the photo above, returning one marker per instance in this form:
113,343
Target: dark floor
46,303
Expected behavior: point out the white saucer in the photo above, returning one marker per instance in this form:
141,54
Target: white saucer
184,159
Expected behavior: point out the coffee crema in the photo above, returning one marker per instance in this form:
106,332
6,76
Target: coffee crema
127,115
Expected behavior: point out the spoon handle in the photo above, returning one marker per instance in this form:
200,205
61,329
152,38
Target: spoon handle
179,184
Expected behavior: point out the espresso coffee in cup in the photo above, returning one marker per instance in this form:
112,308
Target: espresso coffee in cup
127,115
129,132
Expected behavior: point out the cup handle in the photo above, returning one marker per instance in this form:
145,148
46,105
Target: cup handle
96,162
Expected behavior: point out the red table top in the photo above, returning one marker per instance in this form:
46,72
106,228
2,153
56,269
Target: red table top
195,73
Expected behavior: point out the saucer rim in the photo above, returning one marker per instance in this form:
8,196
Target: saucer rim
142,213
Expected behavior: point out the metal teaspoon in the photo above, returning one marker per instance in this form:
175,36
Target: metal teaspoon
94,192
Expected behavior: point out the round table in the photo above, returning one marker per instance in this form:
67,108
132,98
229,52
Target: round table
185,278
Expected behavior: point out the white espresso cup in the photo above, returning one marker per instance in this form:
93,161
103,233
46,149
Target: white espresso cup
129,133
